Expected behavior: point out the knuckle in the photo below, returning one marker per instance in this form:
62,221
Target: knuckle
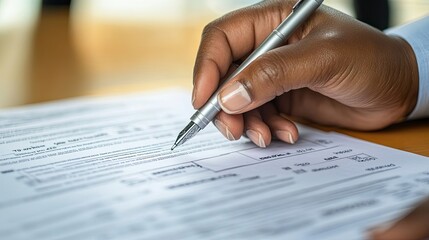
209,32
271,73
218,25
209,28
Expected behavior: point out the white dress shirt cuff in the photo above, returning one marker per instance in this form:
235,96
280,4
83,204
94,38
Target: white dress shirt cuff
417,35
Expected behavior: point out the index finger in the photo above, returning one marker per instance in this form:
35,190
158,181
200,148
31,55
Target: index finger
231,38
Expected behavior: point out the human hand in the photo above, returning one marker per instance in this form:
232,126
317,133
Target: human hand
333,70
414,225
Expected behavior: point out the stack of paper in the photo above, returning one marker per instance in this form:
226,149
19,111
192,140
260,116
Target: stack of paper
101,168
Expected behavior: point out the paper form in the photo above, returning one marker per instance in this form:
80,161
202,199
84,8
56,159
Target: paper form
101,168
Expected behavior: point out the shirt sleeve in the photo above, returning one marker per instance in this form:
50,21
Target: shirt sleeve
417,35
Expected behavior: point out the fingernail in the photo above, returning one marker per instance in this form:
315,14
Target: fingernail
224,130
234,97
256,138
285,136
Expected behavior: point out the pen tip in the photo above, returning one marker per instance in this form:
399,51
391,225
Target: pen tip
173,147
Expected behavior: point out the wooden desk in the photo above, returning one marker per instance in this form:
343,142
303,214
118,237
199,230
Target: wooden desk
412,136
108,59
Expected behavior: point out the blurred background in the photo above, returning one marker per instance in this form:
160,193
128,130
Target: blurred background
54,49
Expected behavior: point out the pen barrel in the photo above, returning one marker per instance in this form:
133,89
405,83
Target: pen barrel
300,12
203,116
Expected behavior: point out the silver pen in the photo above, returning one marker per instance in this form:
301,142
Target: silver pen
203,116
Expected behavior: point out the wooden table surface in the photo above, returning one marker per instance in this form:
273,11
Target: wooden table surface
108,58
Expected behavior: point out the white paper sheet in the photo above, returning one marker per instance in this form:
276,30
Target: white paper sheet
101,168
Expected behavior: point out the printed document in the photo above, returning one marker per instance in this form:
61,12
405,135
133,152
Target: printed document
102,168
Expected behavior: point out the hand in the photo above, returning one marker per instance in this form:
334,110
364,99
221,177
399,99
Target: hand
414,225
333,70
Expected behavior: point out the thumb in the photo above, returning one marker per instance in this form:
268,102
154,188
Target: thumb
289,67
